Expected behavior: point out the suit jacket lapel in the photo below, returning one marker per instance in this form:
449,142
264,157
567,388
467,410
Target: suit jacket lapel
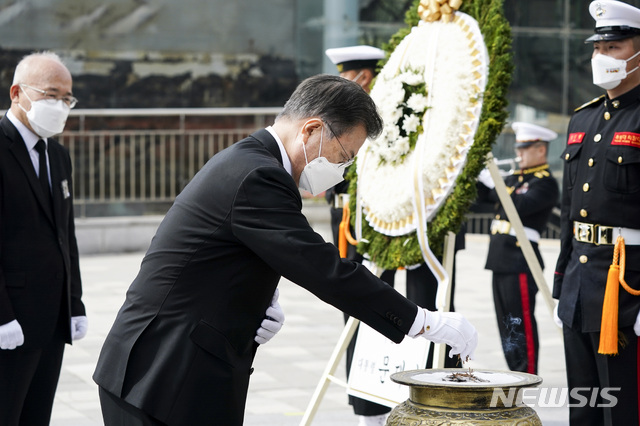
57,176
19,151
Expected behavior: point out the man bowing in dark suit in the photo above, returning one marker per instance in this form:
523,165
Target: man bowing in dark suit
40,288
181,348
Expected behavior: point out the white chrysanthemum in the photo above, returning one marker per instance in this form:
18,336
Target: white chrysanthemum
401,146
412,78
391,133
395,115
410,123
394,94
417,102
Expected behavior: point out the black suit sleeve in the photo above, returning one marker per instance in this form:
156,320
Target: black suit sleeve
267,218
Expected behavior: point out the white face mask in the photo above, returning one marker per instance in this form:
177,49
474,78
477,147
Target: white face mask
47,117
609,72
320,174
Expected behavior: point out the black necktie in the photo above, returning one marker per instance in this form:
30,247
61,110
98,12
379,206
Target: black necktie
43,174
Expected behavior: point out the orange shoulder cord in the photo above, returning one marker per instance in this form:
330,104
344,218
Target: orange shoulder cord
344,232
609,325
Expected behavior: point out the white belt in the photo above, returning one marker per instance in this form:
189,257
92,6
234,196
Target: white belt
504,227
604,235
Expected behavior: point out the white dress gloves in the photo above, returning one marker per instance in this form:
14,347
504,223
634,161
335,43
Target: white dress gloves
558,321
11,335
273,321
636,326
79,326
485,178
454,330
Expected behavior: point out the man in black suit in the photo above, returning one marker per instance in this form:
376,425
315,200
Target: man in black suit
40,288
181,348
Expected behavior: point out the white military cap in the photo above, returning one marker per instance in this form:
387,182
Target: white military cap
355,57
615,20
527,134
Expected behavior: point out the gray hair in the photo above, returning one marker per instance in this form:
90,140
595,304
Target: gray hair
22,69
341,103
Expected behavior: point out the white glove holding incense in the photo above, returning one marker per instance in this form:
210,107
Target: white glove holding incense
79,327
273,321
11,335
454,330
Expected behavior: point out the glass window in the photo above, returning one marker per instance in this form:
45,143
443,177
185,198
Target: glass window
534,13
537,77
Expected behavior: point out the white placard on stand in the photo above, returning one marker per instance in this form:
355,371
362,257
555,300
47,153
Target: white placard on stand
376,358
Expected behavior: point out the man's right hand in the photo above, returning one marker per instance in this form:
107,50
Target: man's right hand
11,335
454,330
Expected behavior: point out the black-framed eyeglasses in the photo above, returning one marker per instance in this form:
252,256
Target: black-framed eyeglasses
52,98
346,154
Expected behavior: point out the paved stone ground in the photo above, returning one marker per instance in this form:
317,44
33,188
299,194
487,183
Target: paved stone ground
289,367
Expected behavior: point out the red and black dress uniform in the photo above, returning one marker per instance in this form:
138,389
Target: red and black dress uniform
534,192
601,199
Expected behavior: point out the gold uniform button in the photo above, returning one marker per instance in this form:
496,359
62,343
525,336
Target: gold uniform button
584,259
585,187
583,213
567,156
590,162
598,137
607,116
620,160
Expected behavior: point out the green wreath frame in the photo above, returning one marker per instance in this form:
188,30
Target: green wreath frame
395,252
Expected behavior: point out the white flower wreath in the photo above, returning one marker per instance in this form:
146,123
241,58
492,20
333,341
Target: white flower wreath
429,94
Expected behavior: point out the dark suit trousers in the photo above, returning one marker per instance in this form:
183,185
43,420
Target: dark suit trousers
28,382
117,412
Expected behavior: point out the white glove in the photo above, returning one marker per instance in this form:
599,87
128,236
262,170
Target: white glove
11,335
79,326
636,326
558,321
485,178
273,321
454,330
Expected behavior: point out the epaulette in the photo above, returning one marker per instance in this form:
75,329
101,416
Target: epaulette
591,102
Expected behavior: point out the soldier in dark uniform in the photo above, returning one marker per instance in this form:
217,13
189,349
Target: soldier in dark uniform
534,192
601,201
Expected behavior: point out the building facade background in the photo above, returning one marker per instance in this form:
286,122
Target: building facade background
247,53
